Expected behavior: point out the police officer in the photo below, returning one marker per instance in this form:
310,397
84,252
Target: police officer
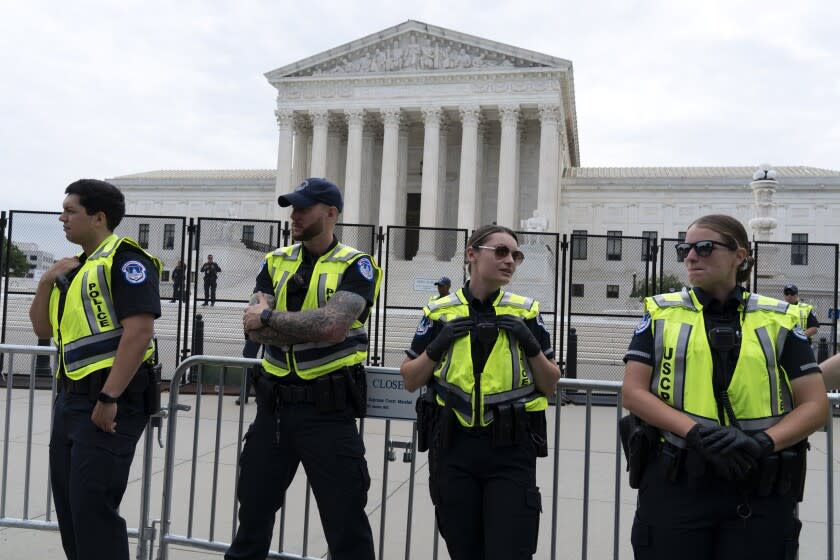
807,319
485,356
311,302
443,285
730,381
99,307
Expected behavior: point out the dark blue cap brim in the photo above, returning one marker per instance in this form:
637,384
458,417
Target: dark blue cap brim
295,199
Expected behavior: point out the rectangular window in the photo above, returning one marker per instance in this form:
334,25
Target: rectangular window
680,239
577,290
248,234
169,236
614,245
799,249
143,235
579,244
164,277
612,291
649,245
33,257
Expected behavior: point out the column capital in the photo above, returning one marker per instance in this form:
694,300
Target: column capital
320,117
509,114
549,114
470,114
391,116
432,115
285,118
354,117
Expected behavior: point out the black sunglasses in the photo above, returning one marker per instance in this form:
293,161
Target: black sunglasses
702,248
502,251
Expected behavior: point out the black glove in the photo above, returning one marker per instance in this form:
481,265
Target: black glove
766,445
723,450
452,330
516,327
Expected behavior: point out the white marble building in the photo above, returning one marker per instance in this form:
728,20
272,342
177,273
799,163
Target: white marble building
421,125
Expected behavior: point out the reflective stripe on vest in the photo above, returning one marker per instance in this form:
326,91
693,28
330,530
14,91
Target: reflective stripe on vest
683,359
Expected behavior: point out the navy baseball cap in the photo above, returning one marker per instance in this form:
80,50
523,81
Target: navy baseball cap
444,281
791,289
313,191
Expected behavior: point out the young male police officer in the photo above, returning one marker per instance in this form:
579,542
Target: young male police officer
807,319
309,311
99,307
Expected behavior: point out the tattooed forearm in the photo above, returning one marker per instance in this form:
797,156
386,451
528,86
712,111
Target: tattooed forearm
329,323
266,335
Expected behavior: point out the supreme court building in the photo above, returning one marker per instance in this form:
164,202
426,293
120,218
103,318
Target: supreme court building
421,125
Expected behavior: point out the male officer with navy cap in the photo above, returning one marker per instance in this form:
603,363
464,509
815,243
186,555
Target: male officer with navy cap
443,286
807,319
309,309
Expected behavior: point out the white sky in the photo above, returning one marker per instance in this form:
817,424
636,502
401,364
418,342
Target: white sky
98,89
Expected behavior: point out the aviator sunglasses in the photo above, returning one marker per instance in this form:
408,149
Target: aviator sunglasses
502,251
702,248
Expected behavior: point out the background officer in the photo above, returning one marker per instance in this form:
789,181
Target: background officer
99,307
485,356
211,270
311,302
443,286
807,319
732,406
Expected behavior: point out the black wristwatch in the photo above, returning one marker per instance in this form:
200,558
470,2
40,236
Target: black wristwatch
104,397
265,316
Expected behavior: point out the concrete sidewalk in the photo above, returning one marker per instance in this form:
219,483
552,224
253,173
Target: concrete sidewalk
220,465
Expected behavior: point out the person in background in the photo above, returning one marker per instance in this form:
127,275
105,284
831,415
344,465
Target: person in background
211,271
443,286
807,318
178,278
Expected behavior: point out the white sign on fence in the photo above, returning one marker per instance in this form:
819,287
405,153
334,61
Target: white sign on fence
387,397
425,285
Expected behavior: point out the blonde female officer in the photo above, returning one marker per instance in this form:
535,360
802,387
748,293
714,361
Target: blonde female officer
486,358
730,381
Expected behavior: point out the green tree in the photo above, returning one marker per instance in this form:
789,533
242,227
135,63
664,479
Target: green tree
18,266
667,283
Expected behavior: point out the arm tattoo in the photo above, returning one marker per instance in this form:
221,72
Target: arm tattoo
322,324
266,335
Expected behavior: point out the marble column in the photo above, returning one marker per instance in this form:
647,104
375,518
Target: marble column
468,174
334,161
303,145
282,183
507,203
320,123
402,176
390,167
431,158
368,177
548,184
353,170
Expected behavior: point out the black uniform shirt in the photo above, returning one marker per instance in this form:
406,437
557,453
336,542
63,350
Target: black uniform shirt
134,295
427,331
797,357
353,280
812,320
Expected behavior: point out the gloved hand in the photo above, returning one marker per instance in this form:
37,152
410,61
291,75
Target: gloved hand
516,327
728,439
723,450
452,330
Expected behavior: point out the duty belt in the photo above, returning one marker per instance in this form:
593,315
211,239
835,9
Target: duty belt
92,383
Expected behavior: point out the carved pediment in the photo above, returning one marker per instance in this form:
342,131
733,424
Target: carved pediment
416,47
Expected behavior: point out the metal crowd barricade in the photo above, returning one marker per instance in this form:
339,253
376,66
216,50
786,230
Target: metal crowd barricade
167,536
144,533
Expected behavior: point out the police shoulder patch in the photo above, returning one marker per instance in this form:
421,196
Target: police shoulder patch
643,325
799,333
134,272
540,322
365,268
423,326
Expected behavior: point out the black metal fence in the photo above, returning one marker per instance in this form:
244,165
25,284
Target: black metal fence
588,285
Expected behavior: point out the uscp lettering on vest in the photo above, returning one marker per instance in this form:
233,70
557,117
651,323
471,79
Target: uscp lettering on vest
665,380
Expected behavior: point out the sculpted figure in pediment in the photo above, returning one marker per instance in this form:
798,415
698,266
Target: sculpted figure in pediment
396,60
412,54
427,56
379,63
463,60
444,57
363,62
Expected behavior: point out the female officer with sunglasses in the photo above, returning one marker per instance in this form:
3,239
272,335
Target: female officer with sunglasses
486,359
729,380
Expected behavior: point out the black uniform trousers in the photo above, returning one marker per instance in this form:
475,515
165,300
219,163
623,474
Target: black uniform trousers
210,290
698,519
89,473
333,456
487,503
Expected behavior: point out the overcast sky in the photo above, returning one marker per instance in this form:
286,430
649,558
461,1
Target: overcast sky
99,89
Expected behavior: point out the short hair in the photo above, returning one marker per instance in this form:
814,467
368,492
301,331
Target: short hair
99,196
733,232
